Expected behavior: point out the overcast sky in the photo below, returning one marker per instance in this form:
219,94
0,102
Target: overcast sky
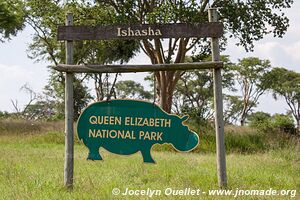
17,69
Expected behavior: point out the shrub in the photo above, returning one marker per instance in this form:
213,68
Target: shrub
283,123
261,121
267,123
4,115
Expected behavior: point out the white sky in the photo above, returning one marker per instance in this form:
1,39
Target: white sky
16,68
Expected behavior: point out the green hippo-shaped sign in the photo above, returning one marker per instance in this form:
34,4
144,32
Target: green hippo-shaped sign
126,127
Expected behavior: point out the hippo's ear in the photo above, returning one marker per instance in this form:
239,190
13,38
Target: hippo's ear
184,118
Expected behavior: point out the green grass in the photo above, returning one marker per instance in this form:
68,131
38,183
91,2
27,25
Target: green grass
32,163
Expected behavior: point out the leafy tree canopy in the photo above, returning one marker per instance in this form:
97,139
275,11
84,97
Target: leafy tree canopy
194,92
45,16
131,89
286,83
11,18
251,75
247,21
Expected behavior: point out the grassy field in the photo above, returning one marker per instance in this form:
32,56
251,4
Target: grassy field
32,160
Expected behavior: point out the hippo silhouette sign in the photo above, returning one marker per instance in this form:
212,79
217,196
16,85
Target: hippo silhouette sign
126,126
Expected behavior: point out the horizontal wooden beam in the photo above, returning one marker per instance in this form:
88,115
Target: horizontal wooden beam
141,31
135,68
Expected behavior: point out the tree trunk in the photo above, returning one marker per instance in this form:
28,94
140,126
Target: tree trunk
165,80
243,115
242,122
166,88
298,125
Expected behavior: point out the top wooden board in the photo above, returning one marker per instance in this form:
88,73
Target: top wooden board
144,31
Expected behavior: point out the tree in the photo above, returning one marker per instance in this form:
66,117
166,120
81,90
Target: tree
286,83
233,106
251,76
11,18
132,90
55,96
244,20
45,16
194,92
33,96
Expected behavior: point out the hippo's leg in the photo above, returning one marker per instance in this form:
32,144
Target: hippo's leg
94,154
147,155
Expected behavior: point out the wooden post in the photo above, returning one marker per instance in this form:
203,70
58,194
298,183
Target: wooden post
69,113
218,104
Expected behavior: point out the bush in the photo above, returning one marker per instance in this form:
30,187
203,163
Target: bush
4,115
267,123
283,123
261,121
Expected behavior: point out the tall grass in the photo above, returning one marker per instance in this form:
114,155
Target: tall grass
29,171
32,159
23,127
244,139
237,139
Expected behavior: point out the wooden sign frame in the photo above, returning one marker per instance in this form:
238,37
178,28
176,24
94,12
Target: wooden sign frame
213,29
